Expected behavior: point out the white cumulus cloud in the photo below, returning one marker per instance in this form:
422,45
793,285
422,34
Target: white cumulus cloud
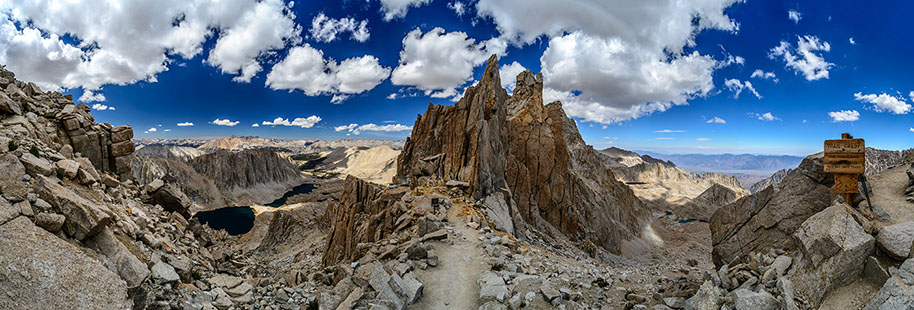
759,74
102,107
397,8
185,124
885,103
224,122
851,41
90,96
326,29
844,115
765,116
458,7
306,69
716,120
805,58
438,62
508,74
303,122
255,125
737,87
153,129
357,129
794,16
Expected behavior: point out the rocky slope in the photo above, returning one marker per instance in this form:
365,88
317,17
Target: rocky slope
173,152
525,162
657,180
772,180
252,176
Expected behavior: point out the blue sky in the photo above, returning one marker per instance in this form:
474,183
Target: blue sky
635,76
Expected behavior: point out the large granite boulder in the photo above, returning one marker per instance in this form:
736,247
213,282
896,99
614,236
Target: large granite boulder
118,258
896,240
41,271
768,218
897,292
834,250
530,157
85,218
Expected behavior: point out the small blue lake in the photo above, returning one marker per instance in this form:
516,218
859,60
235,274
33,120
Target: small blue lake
239,220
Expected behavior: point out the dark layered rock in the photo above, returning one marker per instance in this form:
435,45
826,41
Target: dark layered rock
249,176
524,161
769,218
199,188
703,206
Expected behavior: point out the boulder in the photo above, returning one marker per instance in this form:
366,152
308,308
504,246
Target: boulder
36,165
896,240
154,186
11,167
785,288
121,134
164,273
87,173
8,211
50,221
9,106
85,218
172,199
768,218
41,271
706,298
68,168
744,299
834,251
118,259
874,271
898,290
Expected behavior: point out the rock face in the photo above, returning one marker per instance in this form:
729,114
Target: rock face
716,196
42,271
365,213
201,189
253,175
772,180
85,218
769,218
896,240
528,157
897,292
835,249
910,190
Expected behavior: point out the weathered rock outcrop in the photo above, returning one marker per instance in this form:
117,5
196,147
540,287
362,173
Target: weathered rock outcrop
768,218
772,180
365,213
249,176
910,190
834,247
41,271
200,189
703,206
525,162
898,290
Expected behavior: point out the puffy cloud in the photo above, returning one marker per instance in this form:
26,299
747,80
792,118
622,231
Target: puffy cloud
224,122
844,116
737,87
458,7
122,42
765,116
804,58
102,107
185,124
851,41
398,8
509,74
356,129
716,120
305,69
302,122
885,103
255,125
794,16
438,62
326,29
608,66
668,131
90,96
607,81
153,129
911,129
759,74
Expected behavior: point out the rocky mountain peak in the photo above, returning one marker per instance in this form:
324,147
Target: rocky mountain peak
524,162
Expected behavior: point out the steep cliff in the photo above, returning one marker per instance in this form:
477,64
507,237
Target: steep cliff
249,176
525,162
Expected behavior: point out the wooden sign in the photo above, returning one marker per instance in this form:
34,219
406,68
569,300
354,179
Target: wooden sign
845,156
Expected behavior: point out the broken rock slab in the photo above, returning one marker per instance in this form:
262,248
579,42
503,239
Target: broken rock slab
41,271
898,291
896,240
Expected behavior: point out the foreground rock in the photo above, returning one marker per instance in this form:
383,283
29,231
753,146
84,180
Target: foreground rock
768,219
40,271
898,291
896,240
835,249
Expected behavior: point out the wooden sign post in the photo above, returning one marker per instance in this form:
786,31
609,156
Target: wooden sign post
846,158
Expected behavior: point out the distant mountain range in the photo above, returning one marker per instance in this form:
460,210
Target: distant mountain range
730,163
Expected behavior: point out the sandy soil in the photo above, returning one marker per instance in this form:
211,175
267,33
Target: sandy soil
888,192
376,165
854,295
